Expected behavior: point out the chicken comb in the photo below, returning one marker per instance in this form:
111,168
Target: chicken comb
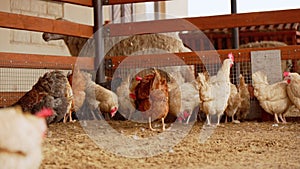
45,112
230,56
138,78
133,96
285,74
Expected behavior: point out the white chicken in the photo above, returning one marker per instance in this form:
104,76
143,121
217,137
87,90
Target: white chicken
272,98
100,97
214,91
124,93
21,137
293,87
183,100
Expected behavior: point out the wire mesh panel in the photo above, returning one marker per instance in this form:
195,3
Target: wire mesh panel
14,82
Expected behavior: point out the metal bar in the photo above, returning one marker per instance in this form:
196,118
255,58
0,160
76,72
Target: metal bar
123,12
156,10
99,45
235,43
132,12
235,31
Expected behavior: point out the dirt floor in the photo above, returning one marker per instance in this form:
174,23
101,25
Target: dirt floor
244,145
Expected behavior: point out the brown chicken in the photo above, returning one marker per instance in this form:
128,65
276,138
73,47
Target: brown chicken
52,91
78,83
273,98
98,96
244,107
152,97
21,136
234,103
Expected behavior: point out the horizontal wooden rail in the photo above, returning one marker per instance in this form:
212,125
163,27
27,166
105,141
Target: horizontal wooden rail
195,58
88,3
32,23
34,61
204,23
115,2
9,98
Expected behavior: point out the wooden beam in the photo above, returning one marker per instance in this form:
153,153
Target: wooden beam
115,2
32,23
195,58
34,61
88,3
203,23
9,98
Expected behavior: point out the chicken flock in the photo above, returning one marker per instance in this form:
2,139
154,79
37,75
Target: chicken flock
151,95
156,94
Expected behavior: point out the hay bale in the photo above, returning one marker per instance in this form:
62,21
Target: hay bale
151,44
262,44
146,44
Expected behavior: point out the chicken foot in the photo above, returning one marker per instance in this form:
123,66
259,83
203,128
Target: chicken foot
70,117
282,118
163,125
232,120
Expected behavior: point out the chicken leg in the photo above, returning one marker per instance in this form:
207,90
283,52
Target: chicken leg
150,126
276,118
282,118
208,119
163,125
219,118
70,108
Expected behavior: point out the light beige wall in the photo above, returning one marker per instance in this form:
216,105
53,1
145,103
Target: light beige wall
177,8
19,41
81,14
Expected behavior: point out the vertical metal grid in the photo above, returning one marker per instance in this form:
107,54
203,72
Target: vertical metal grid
14,82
